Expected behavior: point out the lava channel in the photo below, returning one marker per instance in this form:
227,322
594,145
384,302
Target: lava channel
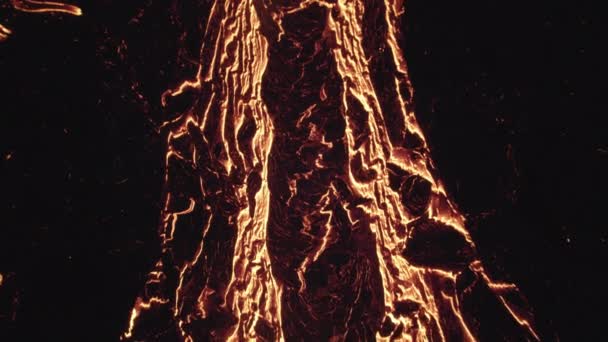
301,202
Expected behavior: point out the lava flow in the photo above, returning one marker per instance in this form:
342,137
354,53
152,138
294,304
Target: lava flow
32,6
301,202
45,6
4,32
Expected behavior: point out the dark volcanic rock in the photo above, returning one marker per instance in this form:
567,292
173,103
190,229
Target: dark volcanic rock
415,194
436,245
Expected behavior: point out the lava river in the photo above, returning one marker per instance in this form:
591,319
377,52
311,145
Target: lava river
300,199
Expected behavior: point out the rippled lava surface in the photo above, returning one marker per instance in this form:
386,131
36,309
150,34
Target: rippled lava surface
300,199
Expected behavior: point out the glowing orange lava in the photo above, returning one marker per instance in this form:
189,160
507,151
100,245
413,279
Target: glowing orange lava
208,139
45,6
4,32
31,6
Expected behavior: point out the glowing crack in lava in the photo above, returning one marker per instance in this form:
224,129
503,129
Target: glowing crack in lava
32,6
45,6
4,32
301,202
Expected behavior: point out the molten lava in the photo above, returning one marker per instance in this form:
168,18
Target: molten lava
301,202
4,32
33,6
45,6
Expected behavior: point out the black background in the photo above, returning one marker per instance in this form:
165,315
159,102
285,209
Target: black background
507,93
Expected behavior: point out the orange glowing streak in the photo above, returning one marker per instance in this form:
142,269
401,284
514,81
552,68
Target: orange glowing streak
498,287
174,217
189,265
343,26
140,305
45,6
4,32
324,240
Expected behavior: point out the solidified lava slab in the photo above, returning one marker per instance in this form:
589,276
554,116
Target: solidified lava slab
301,202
